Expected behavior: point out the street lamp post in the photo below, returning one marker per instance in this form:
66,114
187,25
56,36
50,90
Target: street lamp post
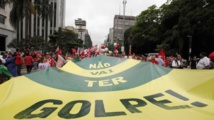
124,8
130,44
190,45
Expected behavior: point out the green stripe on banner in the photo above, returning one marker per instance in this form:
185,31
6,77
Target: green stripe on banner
85,63
133,77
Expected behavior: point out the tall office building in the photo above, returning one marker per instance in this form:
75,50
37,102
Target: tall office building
83,32
81,28
111,35
7,33
118,26
44,27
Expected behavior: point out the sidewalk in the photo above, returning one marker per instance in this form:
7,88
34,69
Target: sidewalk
24,71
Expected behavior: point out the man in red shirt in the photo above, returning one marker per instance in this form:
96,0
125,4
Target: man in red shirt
28,62
18,61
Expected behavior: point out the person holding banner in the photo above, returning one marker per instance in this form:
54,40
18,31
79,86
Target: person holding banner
50,59
44,64
159,60
177,62
153,60
204,62
11,65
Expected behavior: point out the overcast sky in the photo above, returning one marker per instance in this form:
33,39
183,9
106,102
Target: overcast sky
99,14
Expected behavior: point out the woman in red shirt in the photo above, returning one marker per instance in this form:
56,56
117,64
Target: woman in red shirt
153,60
28,62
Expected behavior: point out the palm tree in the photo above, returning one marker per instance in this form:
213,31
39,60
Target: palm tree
23,9
44,10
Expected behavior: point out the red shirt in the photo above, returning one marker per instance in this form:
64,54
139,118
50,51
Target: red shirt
35,59
18,60
51,62
153,61
28,60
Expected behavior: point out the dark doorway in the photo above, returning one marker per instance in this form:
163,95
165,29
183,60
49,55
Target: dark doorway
2,43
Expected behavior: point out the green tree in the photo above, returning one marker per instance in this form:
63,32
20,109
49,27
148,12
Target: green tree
145,34
170,25
35,43
66,39
183,18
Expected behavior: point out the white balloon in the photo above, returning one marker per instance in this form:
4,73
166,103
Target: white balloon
115,44
106,49
102,50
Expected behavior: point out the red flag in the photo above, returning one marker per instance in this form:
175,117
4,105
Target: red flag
60,61
211,56
78,51
163,56
89,52
38,54
58,51
73,50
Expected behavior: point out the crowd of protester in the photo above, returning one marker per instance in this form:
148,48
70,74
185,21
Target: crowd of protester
177,62
31,60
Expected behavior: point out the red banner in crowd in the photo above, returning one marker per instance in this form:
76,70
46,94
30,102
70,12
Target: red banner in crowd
73,50
163,56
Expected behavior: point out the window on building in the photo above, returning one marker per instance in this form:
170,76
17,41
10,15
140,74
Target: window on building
21,30
43,22
51,20
55,12
2,19
2,6
34,26
3,42
38,26
43,33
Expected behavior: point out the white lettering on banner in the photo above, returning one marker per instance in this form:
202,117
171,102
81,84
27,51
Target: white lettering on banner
102,72
108,82
99,65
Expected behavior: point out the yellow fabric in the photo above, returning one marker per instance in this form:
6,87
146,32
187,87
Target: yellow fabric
20,93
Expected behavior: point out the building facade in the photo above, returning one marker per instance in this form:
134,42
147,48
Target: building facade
83,33
43,26
81,28
111,36
83,36
118,26
7,33
88,41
